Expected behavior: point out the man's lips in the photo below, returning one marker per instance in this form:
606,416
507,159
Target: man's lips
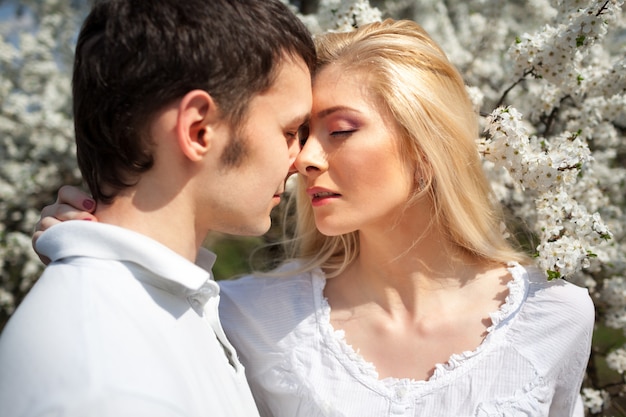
279,192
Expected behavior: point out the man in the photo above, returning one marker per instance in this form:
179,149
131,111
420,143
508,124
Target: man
186,120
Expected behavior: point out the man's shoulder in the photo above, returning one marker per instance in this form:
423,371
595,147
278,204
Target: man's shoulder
42,339
73,306
55,297
95,339
59,311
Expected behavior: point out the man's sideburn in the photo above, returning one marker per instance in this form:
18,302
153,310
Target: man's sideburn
235,152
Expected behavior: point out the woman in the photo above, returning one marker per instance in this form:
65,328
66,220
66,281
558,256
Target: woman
400,295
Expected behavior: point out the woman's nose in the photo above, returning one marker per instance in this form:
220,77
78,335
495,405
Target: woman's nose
311,158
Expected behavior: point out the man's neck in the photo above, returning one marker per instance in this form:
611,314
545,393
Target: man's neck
167,224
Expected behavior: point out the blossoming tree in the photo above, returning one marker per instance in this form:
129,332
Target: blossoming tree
548,78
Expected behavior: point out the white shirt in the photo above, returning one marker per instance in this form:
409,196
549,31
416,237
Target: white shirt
119,325
531,363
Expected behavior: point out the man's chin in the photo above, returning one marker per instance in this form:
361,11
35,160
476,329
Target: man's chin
254,230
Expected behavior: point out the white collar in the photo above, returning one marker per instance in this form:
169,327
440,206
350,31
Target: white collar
168,270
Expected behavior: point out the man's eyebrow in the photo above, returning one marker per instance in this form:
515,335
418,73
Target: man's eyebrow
300,120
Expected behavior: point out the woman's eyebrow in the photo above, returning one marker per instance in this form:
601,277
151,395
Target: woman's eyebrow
330,110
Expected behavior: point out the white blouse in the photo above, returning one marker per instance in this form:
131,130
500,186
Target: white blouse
531,363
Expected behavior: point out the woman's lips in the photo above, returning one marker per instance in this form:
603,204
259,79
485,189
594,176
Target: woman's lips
321,196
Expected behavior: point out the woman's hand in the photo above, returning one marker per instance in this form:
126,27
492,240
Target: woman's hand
72,204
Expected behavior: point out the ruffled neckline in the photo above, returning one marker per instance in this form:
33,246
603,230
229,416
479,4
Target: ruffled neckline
456,365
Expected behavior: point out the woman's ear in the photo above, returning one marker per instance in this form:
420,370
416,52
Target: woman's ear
195,126
423,174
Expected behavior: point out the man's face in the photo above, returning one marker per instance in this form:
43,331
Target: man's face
263,150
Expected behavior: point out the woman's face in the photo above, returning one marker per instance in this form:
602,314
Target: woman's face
353,171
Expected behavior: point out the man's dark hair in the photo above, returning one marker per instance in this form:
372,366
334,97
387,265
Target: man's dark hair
133,57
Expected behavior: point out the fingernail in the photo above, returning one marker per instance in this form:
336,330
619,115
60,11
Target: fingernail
88,204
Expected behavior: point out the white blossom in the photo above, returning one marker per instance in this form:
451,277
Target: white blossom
616,360
595,400
343,16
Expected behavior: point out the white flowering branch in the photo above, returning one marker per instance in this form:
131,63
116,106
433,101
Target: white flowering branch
547,169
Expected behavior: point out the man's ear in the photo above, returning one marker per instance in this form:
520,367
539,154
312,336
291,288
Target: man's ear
197,118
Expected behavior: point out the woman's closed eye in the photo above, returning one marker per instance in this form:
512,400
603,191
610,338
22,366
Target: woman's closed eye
341,126
342,133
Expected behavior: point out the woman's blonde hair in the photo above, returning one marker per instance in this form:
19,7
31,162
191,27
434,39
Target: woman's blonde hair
411,77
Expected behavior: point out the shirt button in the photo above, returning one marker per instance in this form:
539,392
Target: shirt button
400,393
212,290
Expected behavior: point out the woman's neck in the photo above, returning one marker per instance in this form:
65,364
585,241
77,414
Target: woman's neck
397,271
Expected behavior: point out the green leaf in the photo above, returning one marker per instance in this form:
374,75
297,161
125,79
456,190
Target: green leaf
553,275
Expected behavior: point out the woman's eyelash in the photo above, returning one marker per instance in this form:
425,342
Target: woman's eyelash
342,132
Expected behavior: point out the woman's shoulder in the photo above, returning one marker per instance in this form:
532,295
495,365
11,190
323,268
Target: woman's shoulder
267,316
555,319
558,296
285,285
268,307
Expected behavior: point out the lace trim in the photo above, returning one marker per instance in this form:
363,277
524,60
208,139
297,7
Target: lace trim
531,400
364,370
